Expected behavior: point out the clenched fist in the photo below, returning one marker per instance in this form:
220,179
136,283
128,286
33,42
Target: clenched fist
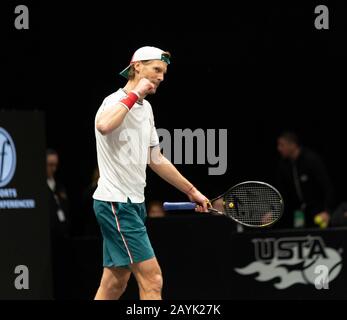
144,87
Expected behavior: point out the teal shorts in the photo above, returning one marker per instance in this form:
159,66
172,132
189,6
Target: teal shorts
124,233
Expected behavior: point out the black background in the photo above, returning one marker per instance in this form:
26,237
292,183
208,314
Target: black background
253,68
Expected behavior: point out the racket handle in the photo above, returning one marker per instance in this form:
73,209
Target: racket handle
179,206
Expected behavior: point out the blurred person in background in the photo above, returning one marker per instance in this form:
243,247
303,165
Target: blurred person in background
305,184
59,225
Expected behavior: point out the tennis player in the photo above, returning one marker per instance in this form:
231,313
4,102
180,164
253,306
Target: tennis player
126,141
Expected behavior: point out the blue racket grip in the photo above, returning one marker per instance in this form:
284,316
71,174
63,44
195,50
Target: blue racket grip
179,206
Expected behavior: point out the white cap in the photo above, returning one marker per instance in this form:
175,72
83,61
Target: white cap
145,53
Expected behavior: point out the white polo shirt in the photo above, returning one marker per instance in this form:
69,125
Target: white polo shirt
123,153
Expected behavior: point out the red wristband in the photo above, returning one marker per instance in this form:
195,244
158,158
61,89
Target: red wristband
130,100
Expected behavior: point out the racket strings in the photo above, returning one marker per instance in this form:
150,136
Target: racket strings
253,204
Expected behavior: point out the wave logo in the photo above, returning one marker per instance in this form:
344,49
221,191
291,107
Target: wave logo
292,260
7,158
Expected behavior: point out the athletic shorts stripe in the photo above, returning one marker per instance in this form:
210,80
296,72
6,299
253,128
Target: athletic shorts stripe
118,228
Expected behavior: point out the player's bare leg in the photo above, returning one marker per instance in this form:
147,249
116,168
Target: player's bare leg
149,278
113,283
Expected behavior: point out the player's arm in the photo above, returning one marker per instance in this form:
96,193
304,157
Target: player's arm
167,171
111,118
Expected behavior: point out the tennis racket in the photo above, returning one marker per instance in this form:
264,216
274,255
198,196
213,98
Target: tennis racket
250,203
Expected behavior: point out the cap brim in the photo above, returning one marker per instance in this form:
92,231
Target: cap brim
125,72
